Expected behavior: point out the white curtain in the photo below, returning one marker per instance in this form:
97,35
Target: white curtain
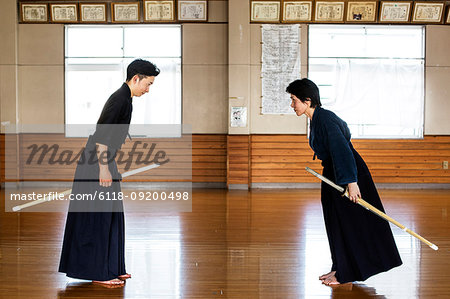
372,76
95,66
387,92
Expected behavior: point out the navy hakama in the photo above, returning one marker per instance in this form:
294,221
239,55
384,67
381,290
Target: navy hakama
361,243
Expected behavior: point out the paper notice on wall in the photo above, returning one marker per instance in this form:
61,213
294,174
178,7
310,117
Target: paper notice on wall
238,117
280,66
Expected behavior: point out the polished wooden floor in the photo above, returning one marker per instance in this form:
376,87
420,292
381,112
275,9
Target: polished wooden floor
235,244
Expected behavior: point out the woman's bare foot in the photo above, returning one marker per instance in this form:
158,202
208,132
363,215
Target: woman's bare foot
125,276
111,282
331,280
325,276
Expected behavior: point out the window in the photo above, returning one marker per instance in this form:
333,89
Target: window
96,58
371,76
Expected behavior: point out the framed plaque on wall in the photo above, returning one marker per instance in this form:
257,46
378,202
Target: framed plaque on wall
192,11
125,12
395,11
265,11
33,13
159,11
64,13
297,11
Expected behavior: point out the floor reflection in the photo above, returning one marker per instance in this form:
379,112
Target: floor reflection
316,254
153,255
355,290
80,289
234,244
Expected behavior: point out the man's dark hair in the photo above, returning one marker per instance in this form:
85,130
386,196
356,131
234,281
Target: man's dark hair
142,68
304,89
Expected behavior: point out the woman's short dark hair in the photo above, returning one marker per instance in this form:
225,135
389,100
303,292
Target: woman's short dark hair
304,89
142,68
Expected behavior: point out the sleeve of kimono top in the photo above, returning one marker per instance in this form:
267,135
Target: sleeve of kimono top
337,137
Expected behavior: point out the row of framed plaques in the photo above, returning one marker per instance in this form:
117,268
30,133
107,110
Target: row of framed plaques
348,11
121,12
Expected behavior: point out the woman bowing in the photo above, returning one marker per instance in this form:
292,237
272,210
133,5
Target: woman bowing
361,243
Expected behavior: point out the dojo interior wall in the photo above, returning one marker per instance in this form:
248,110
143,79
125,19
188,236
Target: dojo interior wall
221,68
437,89
32,68
32,74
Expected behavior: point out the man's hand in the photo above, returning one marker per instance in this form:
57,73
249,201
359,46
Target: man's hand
353,192
104,176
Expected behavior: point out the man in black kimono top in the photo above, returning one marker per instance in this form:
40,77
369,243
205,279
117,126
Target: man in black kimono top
94,237
361,243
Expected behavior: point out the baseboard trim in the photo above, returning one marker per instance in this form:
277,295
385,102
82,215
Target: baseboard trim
412,186
285,185
125,185
317,186
237,187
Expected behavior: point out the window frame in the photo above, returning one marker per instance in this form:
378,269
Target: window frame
418,131
121,59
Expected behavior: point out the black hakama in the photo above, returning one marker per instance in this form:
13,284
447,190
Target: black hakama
361,243
94,238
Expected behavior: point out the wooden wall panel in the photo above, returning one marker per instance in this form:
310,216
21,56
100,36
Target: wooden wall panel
2,158
407,160
207,153
9,156
238,147
282,159
243,159
209,158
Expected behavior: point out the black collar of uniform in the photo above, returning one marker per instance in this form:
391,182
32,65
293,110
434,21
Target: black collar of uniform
127,91
315,116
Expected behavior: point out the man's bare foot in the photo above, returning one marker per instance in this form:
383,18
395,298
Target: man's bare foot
109,286
331,280
125,276
325,276
111,282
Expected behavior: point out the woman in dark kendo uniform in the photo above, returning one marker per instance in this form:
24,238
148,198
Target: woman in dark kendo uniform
94,237
361,243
